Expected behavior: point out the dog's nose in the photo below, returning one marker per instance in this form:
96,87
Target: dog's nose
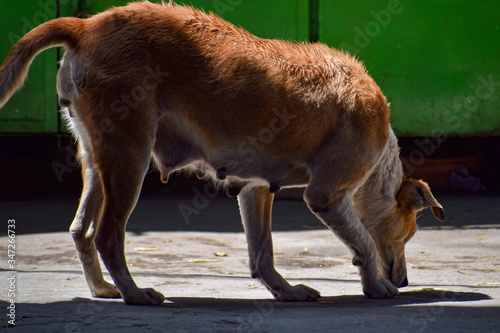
404,283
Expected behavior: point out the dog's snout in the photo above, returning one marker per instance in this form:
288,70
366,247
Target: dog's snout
404,283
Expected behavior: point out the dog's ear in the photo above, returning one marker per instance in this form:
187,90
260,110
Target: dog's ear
416,195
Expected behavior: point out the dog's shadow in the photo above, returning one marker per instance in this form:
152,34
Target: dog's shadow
424,296
233,314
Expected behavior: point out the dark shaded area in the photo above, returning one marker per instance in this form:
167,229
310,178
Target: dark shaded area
41,166
40,187
487,148
224,315
46,166
165,213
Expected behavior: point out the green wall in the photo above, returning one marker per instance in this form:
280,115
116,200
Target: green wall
35,109
435,60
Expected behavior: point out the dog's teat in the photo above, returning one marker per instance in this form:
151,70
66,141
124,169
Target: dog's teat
164,173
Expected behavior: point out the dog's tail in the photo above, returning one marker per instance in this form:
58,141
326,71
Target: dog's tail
59,32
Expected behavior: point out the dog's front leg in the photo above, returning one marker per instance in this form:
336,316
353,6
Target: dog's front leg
255,208
338,214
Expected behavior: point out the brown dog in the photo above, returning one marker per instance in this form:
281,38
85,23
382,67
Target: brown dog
256,115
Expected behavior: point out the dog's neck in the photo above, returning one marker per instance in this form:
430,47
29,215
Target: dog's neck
376,198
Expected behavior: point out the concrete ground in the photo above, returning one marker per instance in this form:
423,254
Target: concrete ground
192,249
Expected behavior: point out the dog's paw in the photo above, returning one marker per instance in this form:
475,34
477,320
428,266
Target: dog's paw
298,293
147,296
381,289
106,290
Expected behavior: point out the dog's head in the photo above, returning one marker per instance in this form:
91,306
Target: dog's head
394,231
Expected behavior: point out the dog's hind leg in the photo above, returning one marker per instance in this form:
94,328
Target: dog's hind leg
83,231
255,207
122,165
335,209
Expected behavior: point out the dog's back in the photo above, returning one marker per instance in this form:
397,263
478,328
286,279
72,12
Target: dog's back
227,86
218,73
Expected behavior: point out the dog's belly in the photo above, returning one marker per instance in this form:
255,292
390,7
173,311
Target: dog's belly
235,163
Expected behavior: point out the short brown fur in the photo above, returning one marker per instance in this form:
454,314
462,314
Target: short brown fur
193,91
